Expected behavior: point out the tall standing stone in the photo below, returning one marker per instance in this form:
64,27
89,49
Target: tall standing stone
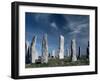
73,50
45,49
57,53
36,57
26,47
27,53
33,49
87,51
68,52
61,47
78,53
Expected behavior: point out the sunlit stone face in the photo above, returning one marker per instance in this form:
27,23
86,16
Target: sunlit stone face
74,57
61,47
68,52
45,49
33,49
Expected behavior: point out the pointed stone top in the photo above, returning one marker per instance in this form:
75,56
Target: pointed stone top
27,43
73,40
34,37
61,36
33,40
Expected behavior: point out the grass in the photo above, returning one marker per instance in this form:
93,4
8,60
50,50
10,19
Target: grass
57,62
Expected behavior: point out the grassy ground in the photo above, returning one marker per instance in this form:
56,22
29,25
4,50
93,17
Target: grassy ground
56,62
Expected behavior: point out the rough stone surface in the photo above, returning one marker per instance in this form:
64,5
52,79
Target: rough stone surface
61,47
45,49
73,47
27,53
33,49
68,52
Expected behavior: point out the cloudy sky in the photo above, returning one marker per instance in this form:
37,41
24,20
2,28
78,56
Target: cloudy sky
54,25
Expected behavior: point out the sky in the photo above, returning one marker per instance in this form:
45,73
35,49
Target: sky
70,26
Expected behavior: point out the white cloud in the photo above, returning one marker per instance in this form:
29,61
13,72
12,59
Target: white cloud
54,25
77,27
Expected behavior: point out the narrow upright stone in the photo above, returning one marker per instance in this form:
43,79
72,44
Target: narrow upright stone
27,53
87,51
68,52
78,53
73,50
26,47
57,53
45,49
61,47
33,49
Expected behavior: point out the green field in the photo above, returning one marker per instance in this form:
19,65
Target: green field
57,62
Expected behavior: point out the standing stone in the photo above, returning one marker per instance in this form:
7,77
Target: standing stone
36,57
45,49
61,47
78,53
26,47
68,52
73,50
33,49
87,51
57,53
27,53
53,53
